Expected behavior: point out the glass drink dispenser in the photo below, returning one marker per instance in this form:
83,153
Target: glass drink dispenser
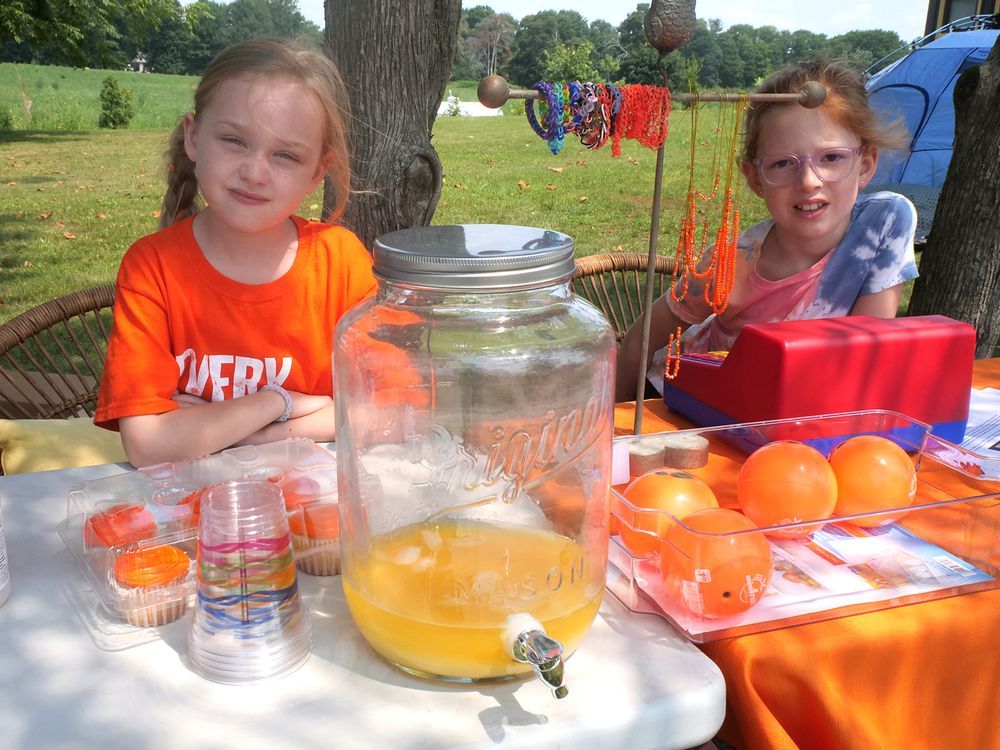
474,431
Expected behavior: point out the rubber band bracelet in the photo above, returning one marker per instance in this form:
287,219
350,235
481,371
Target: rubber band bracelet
529,110
284,394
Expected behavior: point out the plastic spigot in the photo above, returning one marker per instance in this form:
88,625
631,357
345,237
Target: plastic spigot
544,654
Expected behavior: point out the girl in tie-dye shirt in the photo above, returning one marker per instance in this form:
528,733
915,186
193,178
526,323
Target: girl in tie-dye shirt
825,251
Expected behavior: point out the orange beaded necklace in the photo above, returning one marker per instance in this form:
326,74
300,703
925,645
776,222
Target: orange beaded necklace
720,273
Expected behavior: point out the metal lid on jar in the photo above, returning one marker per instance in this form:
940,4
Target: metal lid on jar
474,257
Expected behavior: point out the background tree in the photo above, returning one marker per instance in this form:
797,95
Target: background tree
569,62
208,23
800,45
732,71
56,32
138,23
465,64
491,43
960,266
109,33
704,47
395,96
743,59
169,48
255,18
862,48
606,52
540,32
639,64
180,38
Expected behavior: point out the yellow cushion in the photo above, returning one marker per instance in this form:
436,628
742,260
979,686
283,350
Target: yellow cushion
28,445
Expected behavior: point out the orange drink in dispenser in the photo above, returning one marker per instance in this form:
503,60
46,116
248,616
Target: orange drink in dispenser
474,430
438,598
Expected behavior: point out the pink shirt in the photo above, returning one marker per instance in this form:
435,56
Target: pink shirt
754,299
875,253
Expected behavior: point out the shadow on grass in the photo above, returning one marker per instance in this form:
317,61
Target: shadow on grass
14,229
36,180
42,136
16,237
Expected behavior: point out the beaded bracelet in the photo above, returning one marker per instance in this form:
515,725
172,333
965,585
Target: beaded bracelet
284,394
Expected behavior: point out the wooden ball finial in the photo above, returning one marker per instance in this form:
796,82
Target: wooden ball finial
813,94
493,91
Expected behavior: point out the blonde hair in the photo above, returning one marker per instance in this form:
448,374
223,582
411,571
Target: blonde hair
265,57
846,103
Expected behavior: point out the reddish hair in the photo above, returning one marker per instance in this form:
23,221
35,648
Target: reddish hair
846,103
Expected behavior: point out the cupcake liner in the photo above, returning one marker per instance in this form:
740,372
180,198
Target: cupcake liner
151,585
157,614
149,607
317,557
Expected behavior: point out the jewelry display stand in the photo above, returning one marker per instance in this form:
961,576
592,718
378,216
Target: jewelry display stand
668,26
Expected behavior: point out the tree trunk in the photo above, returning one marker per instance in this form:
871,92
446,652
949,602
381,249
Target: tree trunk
395,58
960,267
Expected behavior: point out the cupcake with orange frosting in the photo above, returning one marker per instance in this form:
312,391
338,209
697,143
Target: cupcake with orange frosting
315,531
150,584
314,519
119,525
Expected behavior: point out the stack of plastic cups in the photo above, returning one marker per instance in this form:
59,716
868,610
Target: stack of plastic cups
249,623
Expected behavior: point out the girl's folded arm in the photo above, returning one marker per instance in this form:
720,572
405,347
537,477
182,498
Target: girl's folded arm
197,430
318,425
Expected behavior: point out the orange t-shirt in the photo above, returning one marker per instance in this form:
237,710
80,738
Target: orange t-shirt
180,325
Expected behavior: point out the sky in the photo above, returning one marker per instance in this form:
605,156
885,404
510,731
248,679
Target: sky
905,17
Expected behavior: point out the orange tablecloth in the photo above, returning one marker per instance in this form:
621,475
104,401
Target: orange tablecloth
919,676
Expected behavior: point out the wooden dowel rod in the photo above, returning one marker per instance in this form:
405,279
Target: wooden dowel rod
494,91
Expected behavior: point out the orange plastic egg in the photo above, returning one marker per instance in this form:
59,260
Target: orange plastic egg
873,473
712,568
676,493
786,482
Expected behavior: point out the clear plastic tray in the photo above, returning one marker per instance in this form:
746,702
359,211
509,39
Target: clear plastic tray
116,525
947,543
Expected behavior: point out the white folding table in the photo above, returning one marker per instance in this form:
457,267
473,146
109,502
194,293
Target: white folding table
633,683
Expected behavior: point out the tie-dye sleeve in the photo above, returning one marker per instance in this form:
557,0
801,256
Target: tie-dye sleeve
894,261
876,253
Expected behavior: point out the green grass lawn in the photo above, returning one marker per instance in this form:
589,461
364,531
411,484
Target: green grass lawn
72,202
51,97
497,170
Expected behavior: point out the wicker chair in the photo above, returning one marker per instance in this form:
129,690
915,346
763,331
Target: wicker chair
52,356
616,283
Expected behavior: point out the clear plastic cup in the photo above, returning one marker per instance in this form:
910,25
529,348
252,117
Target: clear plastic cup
249,622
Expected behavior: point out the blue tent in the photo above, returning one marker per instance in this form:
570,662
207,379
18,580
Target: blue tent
919,87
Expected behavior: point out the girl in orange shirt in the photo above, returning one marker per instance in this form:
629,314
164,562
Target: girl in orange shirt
224,318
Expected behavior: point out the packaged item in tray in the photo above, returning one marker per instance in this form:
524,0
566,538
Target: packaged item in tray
314,518
134,535
715,573
150,584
